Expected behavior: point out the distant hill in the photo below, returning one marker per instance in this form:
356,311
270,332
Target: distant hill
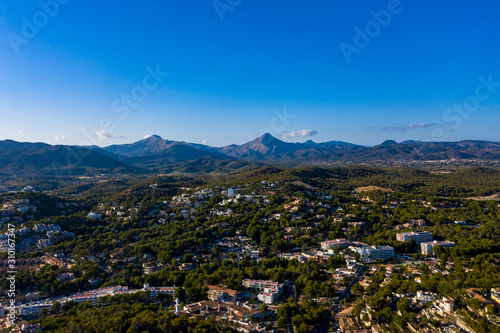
211,165
390,151
11,145
57,160
157,155
155,145
468,181
269,148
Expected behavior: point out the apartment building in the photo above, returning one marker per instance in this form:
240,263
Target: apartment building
331,244
419,237
270,294
374,253
216,293
427,248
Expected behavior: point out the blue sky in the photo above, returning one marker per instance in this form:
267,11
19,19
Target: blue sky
239,68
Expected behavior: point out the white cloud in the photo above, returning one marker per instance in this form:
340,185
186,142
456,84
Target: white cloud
19,131
299,134
405,128
105,135
205,141
421,125
61,138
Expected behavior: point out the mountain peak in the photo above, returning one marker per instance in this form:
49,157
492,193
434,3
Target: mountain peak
267,136
388,143
267,139
154,136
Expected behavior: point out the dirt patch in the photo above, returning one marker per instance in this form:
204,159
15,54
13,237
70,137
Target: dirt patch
372,188
495,197
299,183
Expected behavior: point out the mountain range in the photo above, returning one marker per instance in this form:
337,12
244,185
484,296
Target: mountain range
155,154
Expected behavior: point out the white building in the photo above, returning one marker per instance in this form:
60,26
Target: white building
289,256
331,244
419,237
271,291
270,294
428,248
345,271
154,291
33,309
259,284
374,253
425,297
93,215
92,295
446,305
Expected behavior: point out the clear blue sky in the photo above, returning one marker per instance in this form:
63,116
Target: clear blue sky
229,78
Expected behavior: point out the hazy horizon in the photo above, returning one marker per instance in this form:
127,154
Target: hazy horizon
208,144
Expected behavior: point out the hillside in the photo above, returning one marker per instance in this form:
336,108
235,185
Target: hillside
26,161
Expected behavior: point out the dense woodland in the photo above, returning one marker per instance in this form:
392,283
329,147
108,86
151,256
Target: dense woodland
189,240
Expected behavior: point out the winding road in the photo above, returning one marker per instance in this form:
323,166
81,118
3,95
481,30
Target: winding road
322,326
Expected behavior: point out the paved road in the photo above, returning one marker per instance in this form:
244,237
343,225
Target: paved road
322,327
